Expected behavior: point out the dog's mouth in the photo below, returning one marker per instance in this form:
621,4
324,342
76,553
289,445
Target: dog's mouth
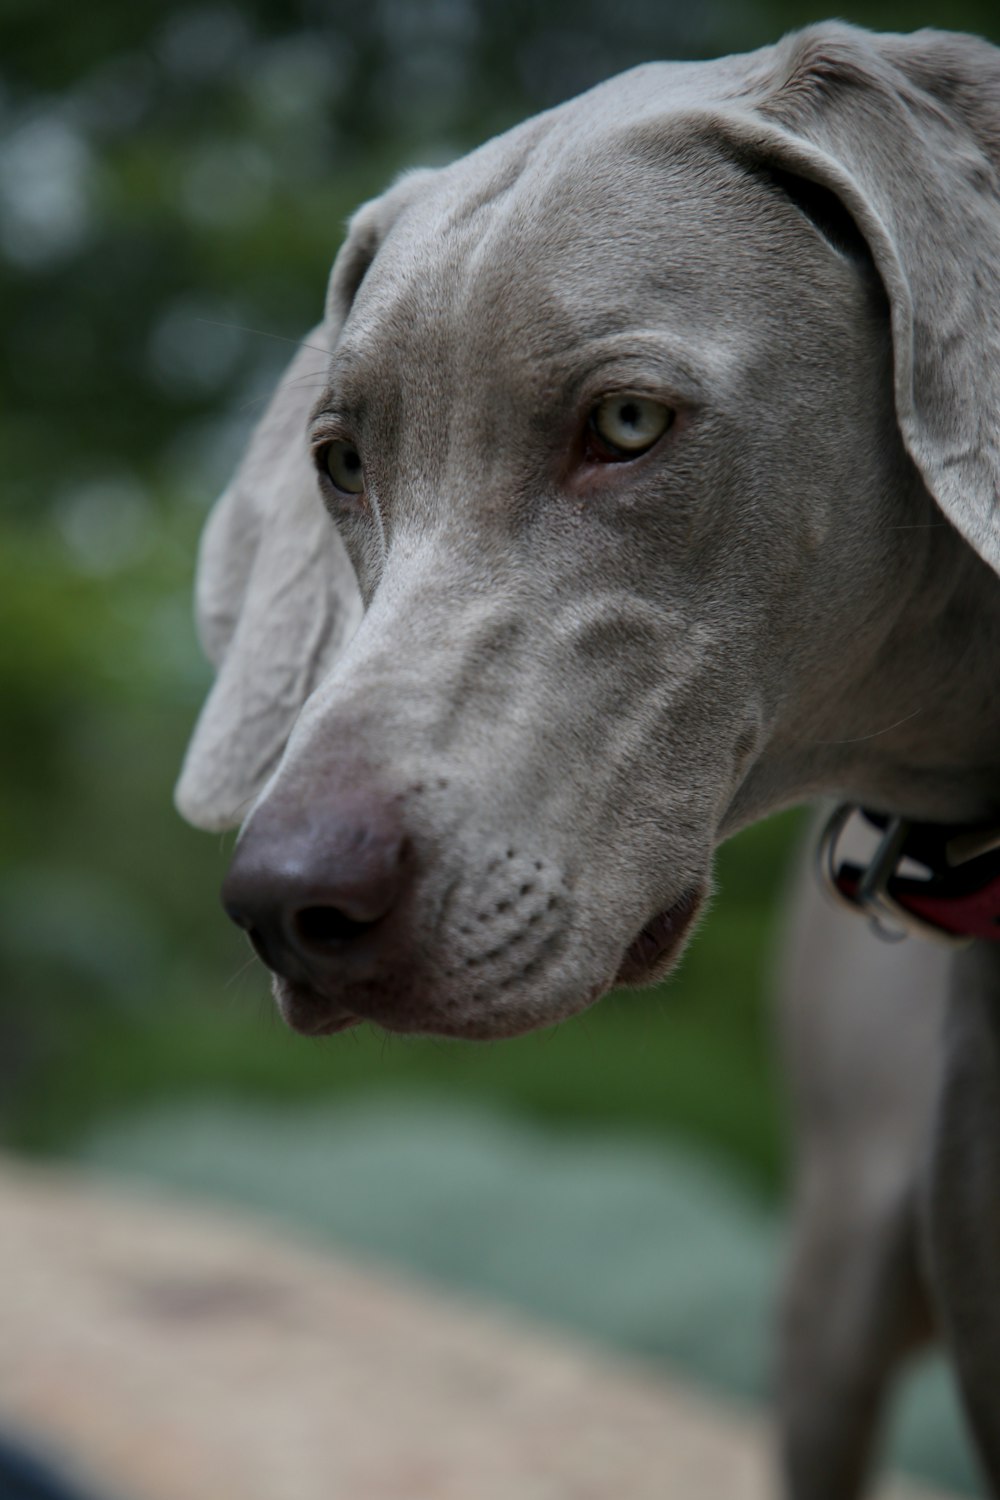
309,1012
650,954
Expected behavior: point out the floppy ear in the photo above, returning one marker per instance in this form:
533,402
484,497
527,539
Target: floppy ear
276,597
906,132
276,600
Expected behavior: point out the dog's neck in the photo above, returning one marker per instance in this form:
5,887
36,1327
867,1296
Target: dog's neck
918,733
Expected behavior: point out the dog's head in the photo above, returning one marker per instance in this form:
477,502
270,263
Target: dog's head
607,441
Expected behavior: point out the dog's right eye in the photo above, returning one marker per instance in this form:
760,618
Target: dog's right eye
341,461
624,427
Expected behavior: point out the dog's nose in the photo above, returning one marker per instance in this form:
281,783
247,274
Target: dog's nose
305,889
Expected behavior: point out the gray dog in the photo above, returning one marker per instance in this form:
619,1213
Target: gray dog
640,480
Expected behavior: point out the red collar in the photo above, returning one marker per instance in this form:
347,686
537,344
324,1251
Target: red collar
956,896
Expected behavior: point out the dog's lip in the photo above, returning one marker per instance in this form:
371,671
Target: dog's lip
311,1013
660,938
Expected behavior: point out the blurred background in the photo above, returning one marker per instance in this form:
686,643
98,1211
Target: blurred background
174,181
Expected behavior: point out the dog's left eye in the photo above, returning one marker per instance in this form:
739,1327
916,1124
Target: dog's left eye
626,426
341,461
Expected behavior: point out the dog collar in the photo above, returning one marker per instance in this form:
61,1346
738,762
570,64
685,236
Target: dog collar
953,897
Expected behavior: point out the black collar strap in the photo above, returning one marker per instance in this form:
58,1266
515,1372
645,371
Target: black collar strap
954,898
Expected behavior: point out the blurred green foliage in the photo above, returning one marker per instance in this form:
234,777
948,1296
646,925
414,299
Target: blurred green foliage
173,184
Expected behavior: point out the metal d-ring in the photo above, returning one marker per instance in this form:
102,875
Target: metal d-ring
873,898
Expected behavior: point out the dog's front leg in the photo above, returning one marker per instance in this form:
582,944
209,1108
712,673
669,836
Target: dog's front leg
963,1197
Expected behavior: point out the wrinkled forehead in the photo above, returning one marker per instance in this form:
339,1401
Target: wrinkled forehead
575,244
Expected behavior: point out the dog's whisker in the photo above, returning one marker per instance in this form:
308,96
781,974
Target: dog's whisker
861,738
255,402
241,971
264,333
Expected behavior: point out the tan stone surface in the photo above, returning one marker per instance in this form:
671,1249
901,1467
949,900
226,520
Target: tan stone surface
177,1353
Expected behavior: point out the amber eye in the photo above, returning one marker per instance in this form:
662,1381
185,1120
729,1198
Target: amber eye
628,425
342,462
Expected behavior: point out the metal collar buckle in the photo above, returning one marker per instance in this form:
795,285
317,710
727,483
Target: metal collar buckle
870,894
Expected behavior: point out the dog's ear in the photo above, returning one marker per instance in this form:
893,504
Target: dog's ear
275,601
276,596
904,132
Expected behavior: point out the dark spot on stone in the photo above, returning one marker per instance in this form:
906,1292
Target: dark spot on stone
200,1298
